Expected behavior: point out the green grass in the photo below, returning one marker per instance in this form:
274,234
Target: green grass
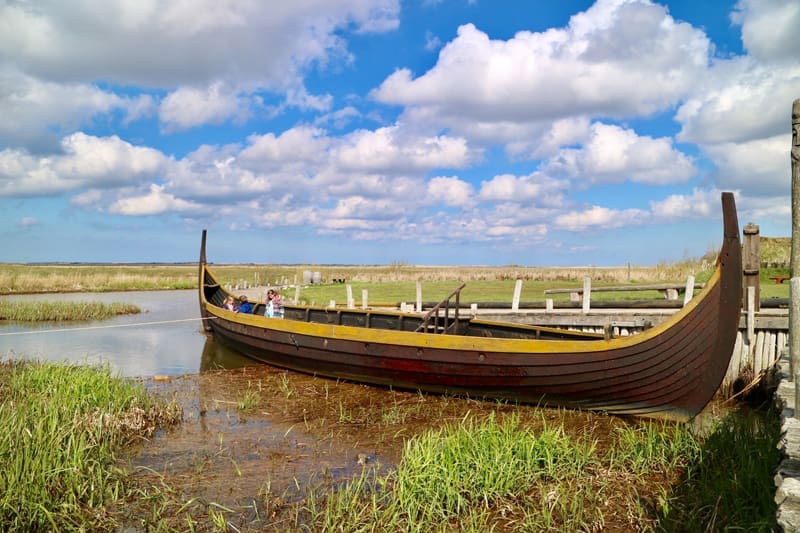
62,425
500,475
728,484
33,311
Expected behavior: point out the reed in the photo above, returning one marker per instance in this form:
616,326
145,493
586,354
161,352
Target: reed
55,311
62,425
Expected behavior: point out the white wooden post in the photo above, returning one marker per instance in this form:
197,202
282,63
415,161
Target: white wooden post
297,294
364,299
517,292
587,293
548,305
473,308
350,302
332,304
687,296
419,297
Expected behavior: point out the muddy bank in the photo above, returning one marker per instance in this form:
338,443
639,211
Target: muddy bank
255,439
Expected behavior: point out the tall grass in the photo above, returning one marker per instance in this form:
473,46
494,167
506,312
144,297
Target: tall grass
500,475
31,311
728,485
61,427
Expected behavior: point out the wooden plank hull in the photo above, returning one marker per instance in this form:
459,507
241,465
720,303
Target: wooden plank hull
670,371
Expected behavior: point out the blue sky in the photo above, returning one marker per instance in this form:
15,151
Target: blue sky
376,131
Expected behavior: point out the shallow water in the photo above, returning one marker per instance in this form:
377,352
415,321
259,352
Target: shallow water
166,338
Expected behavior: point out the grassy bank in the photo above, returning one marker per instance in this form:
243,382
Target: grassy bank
500,475
34,311
62,428
487,466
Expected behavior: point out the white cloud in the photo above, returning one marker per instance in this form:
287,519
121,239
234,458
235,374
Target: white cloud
596,217
389,149
613,155
27,222
700,203
450,191
85,161
616,59
31,108
740,101
187,107
757,168
155,202
769,28
59,50
536,188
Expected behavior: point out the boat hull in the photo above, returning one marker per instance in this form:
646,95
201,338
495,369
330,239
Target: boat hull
670,371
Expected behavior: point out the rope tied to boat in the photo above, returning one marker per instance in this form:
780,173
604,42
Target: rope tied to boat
111,326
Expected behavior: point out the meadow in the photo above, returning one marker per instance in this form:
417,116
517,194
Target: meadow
383,283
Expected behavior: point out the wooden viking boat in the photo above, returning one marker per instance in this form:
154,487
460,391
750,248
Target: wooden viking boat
670,371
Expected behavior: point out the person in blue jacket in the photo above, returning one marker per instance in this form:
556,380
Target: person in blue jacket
244,305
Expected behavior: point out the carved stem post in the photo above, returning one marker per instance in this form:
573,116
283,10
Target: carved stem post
794,294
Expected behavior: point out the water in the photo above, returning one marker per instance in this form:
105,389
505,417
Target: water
166,338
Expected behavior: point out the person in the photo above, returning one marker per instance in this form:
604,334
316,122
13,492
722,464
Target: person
228,304
244,305
274,304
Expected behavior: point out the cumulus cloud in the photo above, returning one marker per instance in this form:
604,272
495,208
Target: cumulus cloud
740,101
187,107
34,111
155,202
388,149
769,28
615,59
597,217
535,188
85,161
613,155
254,46
757,168
450,191
701,203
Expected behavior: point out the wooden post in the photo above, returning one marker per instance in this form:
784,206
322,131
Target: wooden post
297,294
419,297
689,293
350,302
751,315
364,299
587,293
548,305
473,309
752,262
794,291
517,292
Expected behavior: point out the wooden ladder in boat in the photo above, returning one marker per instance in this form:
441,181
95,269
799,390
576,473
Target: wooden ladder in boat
433,322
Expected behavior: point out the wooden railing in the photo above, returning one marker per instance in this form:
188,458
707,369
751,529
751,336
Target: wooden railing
431,319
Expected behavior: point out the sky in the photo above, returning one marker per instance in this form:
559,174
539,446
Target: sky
431,132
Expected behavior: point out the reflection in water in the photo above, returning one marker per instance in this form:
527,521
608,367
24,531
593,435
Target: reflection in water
217,356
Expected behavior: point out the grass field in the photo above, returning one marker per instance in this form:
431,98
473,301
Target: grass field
384,283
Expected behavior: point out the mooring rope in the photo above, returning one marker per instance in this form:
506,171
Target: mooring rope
112,326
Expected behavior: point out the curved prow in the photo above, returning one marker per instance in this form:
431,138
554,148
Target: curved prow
201,275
